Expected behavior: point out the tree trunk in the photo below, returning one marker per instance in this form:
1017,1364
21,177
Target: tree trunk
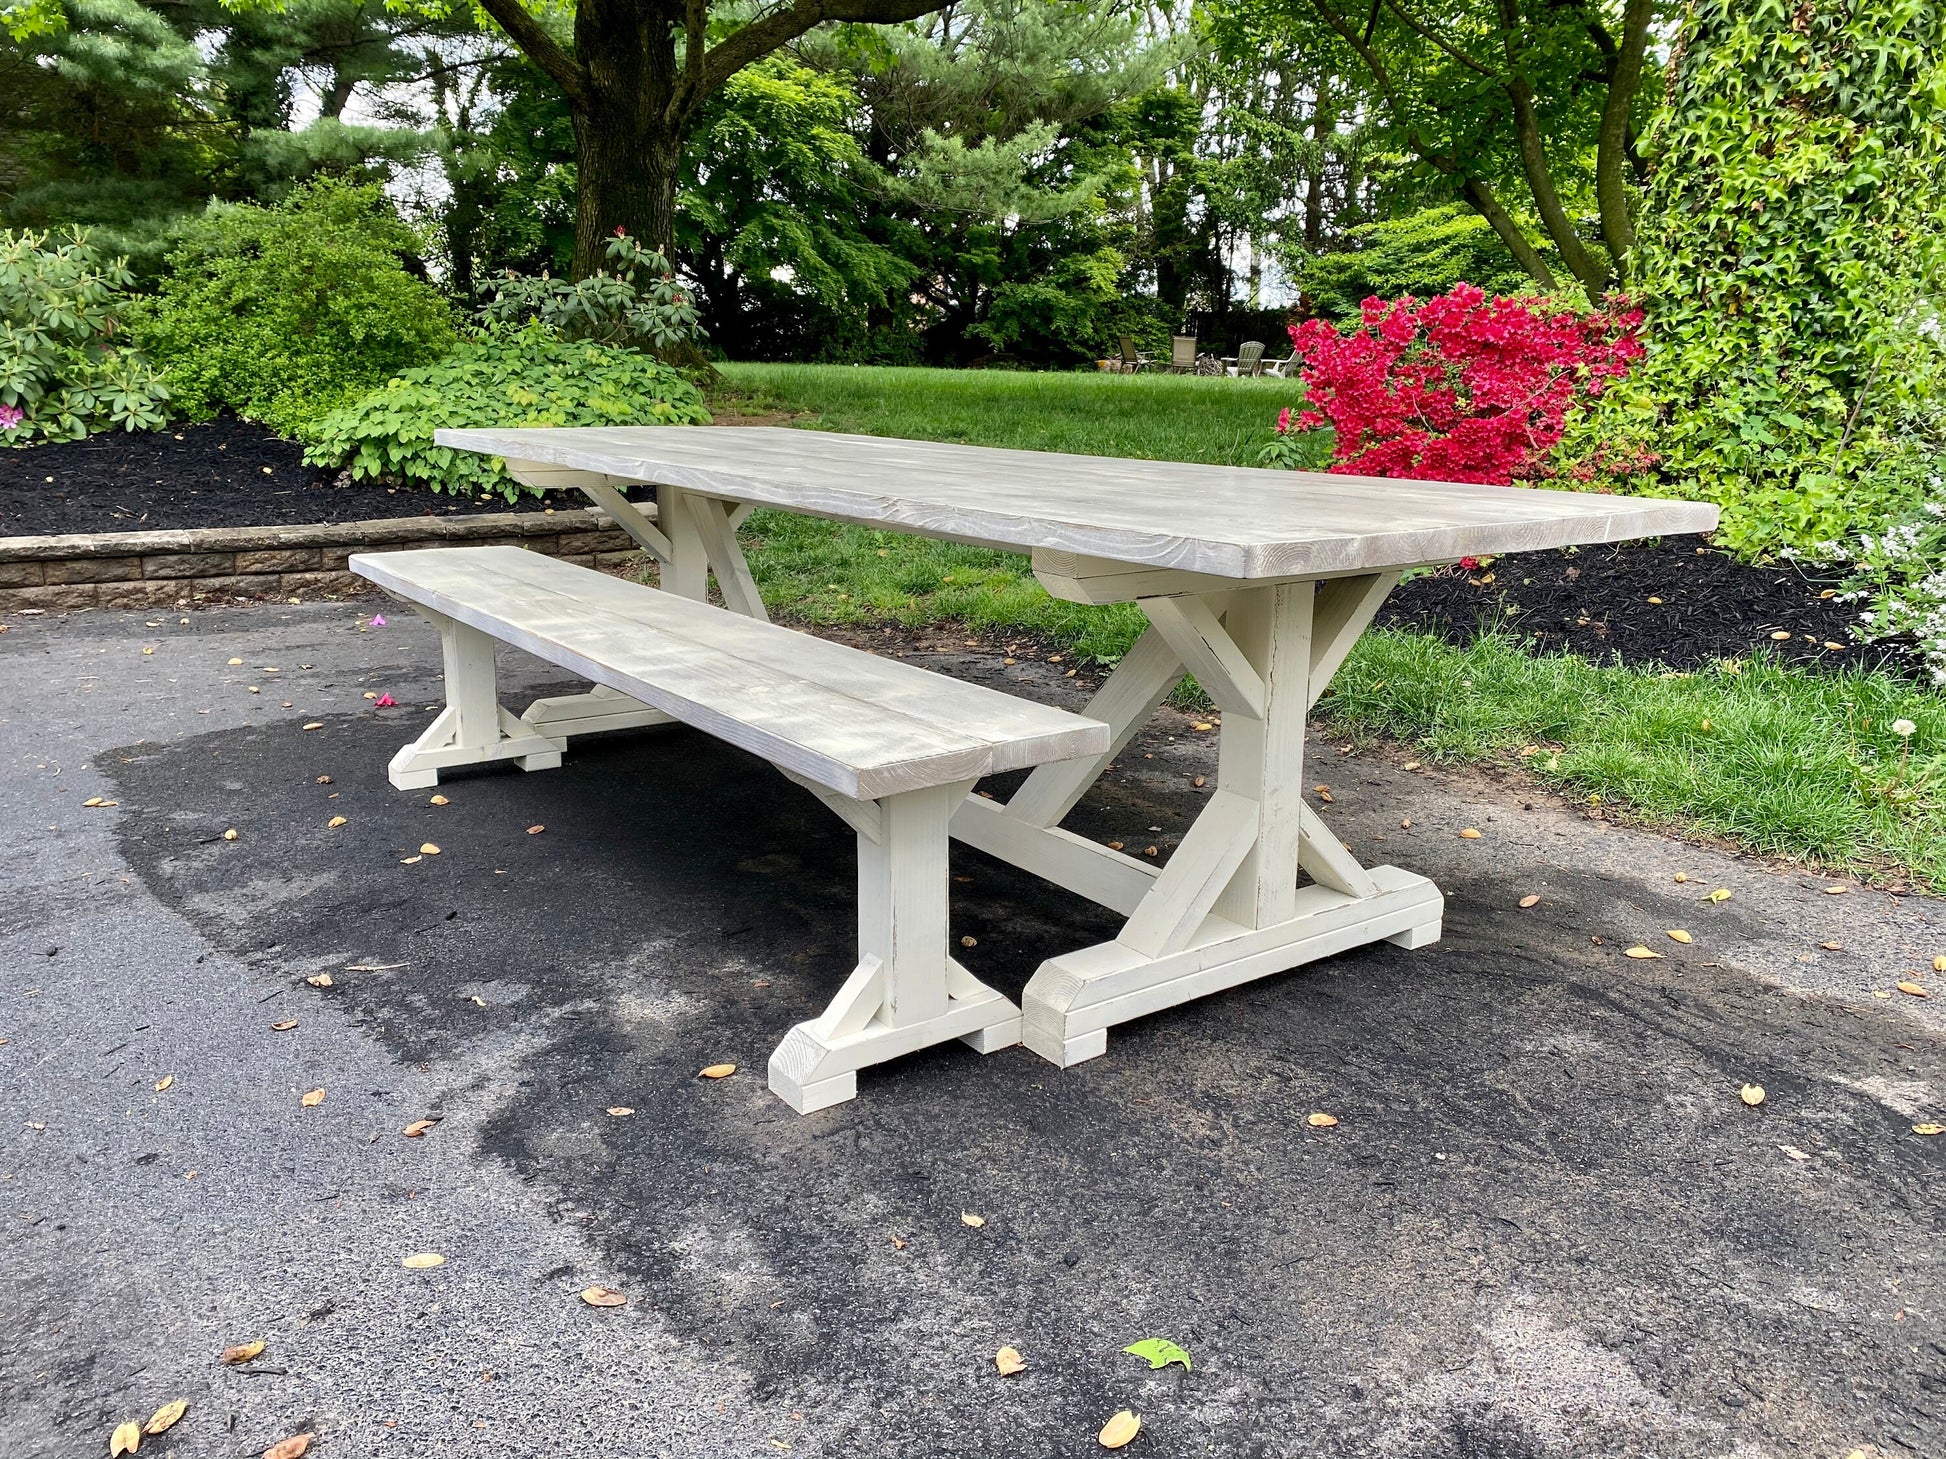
625,178
1614,158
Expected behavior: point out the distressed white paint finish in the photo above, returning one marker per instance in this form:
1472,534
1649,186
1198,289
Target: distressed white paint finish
472,728
1226,521
863,726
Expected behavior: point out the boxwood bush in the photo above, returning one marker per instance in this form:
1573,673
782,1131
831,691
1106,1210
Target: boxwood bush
504,379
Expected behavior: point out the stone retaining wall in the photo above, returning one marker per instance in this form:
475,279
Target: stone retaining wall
162,569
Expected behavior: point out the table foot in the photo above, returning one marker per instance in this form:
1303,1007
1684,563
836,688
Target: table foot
1073,999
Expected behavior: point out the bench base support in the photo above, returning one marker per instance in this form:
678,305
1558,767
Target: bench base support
1074,999
417,765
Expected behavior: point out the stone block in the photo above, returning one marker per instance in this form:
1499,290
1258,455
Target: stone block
150,593
579,542
317,584
333,559
189,565
92,570
617,561
20,575
259,585
289,559
66,595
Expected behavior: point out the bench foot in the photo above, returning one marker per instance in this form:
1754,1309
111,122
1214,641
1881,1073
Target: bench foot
448,741
810,1098
1074,999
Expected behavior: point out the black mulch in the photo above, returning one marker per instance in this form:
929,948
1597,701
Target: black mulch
228,473
1675,602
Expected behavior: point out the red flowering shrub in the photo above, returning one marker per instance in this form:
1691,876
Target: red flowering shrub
1458,388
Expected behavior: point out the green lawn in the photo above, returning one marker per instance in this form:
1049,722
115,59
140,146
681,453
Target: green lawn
1788,763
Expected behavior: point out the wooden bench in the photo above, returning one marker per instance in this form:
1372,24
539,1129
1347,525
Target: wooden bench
890,747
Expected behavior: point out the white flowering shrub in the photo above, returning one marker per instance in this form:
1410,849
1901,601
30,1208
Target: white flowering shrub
1900,575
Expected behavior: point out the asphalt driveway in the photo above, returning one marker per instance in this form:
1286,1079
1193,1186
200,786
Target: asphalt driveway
1546,1224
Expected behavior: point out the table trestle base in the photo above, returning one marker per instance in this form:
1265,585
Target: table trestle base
1072,1001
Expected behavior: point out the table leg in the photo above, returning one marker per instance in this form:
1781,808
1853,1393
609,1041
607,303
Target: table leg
1227,908
906,992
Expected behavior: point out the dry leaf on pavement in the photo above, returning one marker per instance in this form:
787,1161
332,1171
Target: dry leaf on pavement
418,1128
439,800
620,1110
716,1071
1117,1432
420,1261
164,1082
602,1297
319,980
1009,1361
1836,891
1320,1120
295,1447
1532,899
126,1439
165,1417
283,1025
335,822
1915,990
1939,965
1638,951
1469,834
1794,1152
535,830
972,1220
1676,934
1753,1095
242,1352
312,1098
1929,1129
428,849
230,835
1720,895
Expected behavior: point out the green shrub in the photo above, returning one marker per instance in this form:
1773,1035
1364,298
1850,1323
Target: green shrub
529,377
284,314
63,370
1791,263
640,303
1422,254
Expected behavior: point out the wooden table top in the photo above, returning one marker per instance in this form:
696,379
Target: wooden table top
1228,521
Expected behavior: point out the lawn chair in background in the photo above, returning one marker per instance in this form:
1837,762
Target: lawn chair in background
1182,354
1250,358
1133,360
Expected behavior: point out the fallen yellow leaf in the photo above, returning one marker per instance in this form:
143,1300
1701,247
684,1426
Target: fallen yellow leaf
283,1025
1639,951
972,1220
439,800
164,1082
236,663
1682,876
1676,934
420,1261
428,849
1202,724
411,860
1916,990
602,1297
535,830
1320,1120
315,724
294,1447
91,802
312,1098
716,1071
230,835
1009,1361
319,980
1720,895
242,1352
418,1129
1406,824
1410,765
1753,1095
1929,1129
166,1416
619,1111
1939,965
1832,946
1836,891
1469,834
1532,899
335,822
1117,1432
126,1439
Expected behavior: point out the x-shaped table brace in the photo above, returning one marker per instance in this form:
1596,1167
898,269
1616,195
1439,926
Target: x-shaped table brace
1226,907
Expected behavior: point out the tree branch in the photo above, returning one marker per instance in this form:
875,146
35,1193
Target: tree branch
1429,34
539,47
775,30
1614,151
1533,163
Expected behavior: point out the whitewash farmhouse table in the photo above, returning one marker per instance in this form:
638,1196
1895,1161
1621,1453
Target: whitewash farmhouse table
1256,582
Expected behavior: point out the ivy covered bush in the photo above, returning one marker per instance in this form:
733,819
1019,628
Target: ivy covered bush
507,378
1791,263
65,366
285,313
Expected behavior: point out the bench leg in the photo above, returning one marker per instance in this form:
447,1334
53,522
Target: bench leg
472,729
906,993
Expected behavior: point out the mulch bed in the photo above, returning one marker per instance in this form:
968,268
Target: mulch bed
1674,602
228,473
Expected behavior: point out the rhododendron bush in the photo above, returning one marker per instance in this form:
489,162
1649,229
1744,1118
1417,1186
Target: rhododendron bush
1461,387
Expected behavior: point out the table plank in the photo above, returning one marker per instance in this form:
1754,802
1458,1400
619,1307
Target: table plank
1227,521
864,726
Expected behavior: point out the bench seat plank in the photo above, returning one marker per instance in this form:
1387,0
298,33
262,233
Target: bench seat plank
864,726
